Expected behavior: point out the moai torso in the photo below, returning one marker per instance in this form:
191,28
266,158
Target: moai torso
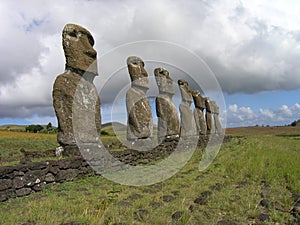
140,122
199,103
74,91
209,117
187,121
218,126
168,121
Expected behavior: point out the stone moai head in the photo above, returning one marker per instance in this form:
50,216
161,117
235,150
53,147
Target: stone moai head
164,81
186,93
137,72
212,106
215,107
199,101
79,52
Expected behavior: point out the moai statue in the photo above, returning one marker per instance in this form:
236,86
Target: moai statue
168,121
188,125
74,91
140,122
216,111
199,103
209,117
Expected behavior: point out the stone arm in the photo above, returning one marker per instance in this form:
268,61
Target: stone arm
130,106
159,108
196,116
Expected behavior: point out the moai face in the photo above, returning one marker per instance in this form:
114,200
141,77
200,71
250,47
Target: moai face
164,81
199,101
78,47
137,72
186,93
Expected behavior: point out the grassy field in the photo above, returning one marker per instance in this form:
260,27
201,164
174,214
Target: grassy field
255,179
11,142
13,138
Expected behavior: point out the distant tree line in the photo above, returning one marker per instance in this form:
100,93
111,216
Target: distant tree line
37,128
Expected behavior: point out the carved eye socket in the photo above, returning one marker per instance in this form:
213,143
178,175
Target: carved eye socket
91,40
73,34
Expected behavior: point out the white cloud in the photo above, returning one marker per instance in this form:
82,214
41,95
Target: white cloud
245,116
251,46
239,115
267,113
286,110
233,108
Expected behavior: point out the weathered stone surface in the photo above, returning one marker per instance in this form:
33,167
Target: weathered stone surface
201,201
23,191
19,173
5,184
67,163
84,101
140,122
217,123
167,198
18,182
168,121
39,186
54,169
67,175
199,103
6,172
37,154
188,125
49,178
78,45
75,98
3,196
209,117
177,215
33,177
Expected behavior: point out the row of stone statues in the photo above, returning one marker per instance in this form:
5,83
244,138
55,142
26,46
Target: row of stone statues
140,122
77,104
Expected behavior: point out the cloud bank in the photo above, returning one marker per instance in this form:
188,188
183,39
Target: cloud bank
251,46
239,116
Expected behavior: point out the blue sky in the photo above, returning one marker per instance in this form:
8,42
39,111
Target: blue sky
251,47
270,99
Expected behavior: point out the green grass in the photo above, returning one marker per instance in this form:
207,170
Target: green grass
12,142
247,170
